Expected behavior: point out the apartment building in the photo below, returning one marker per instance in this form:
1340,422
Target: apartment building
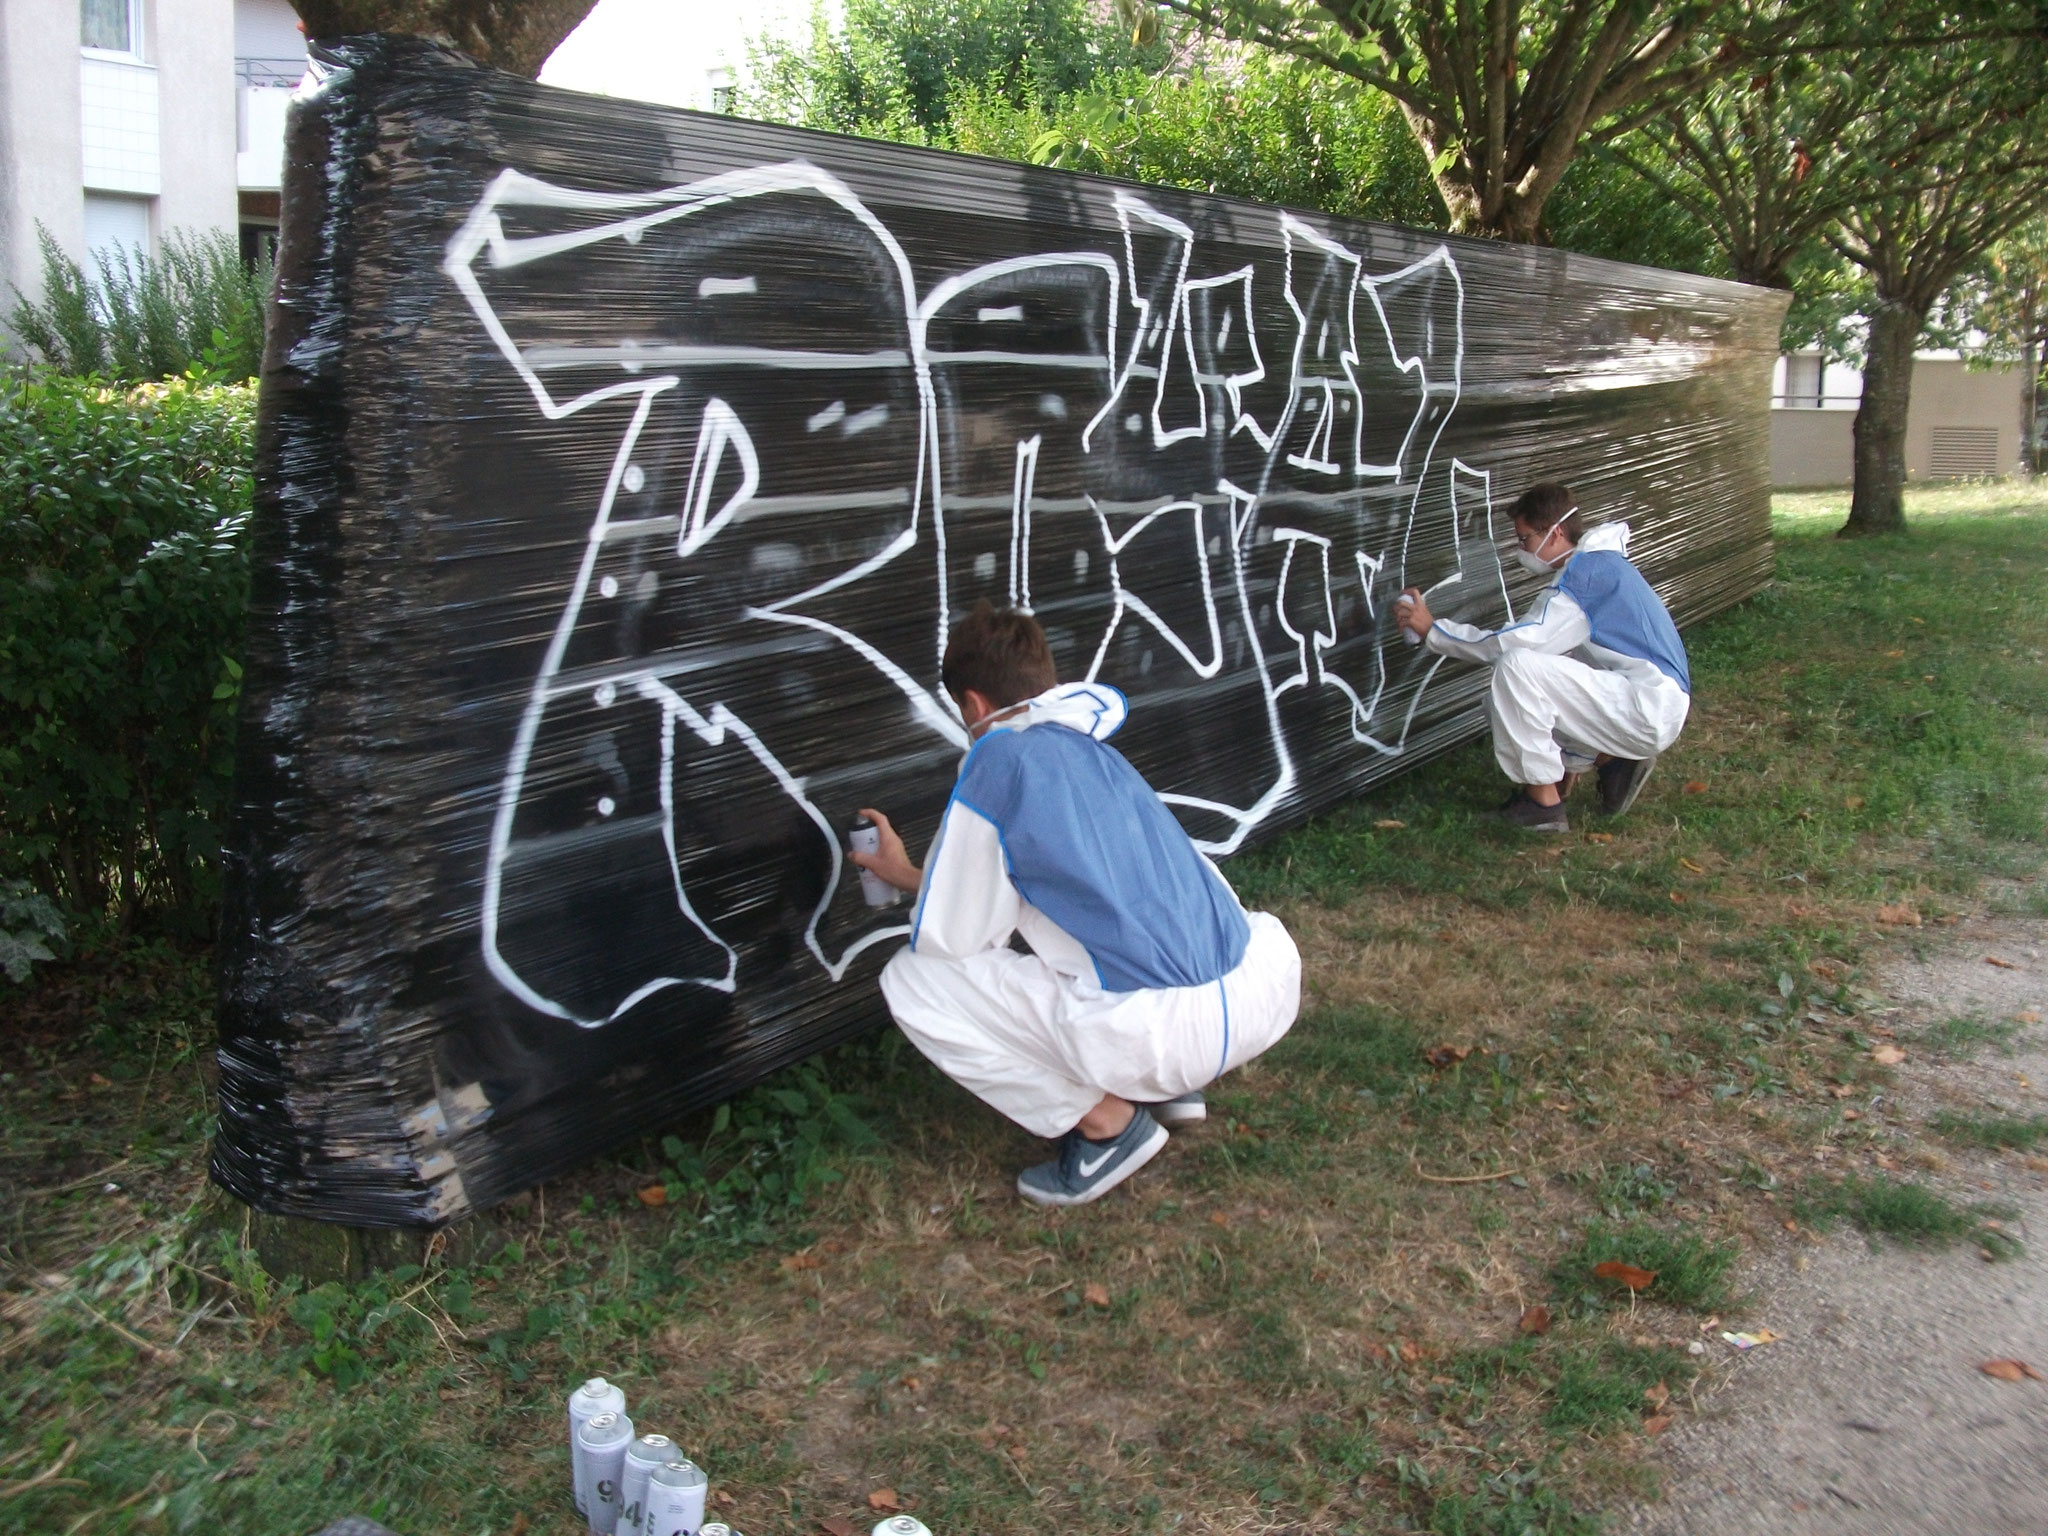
1962,422
122,120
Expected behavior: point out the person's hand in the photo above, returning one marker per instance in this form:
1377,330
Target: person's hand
889,861
1414,614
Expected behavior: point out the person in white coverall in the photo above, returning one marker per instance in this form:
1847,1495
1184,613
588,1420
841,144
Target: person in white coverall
1594,676
1146,980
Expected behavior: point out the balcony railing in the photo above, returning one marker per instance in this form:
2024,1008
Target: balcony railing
270,72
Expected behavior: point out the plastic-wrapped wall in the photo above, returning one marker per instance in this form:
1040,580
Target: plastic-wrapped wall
621,470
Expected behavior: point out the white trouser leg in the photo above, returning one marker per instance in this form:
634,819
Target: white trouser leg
1545,707
1030,1043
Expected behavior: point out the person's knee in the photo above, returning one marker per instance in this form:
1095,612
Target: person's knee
909,981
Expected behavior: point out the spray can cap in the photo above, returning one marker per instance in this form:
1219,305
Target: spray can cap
680,1473
607,1429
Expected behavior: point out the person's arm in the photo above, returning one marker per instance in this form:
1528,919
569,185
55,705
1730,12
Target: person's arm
1554,625
966,903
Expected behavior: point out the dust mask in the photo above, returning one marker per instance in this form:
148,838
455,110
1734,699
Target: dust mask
1532,559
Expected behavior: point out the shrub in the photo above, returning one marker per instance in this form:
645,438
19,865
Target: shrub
191,308
123,577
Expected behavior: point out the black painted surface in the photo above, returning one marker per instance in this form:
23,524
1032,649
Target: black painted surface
620,470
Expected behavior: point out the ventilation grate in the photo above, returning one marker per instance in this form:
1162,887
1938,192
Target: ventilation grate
1964,451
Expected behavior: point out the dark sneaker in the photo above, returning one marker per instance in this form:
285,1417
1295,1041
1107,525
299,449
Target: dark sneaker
1087,1170
1178,1114
1621,781
1521,811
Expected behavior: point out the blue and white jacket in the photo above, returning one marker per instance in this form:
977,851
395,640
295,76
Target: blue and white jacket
1598,605
1053,834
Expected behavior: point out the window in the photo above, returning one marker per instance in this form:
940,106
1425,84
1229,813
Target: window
116,227
111,26
720,85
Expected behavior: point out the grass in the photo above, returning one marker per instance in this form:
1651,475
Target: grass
1993,1132
1909,1213
1305,1316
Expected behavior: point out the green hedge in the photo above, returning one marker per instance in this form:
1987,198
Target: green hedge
123,579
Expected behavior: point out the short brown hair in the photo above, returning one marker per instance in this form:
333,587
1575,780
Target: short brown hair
1545,505
1000,653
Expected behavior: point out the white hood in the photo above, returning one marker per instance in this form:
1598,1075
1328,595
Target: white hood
1612,536
1093,709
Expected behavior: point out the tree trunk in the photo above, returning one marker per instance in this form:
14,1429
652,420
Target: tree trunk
515,35
1877,504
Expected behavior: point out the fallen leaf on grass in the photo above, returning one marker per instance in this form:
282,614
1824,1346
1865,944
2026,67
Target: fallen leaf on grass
1096,1294
2029,1017
2003,965
1410,1351
1219,1218
1692,787
1658,1395
1887,1055
654,1194
1677,900
1657,1425
1842,1090
885,1500
1536,1319
1894,655
520,1524
1698,869
1446,1055
1599,837
1854,803
838,1527
723,1499
1900,916
1630,1275
1852,1114
803,1261
1388,824
2011,1370
911,1384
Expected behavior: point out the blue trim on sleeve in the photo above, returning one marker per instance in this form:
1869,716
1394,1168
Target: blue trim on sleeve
1223,1061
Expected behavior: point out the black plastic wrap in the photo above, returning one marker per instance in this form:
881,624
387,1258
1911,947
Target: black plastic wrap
620,470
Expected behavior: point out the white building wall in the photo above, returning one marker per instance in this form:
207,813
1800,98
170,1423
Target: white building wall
194,43
41,177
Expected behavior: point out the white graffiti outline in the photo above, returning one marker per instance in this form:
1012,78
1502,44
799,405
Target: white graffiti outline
483,235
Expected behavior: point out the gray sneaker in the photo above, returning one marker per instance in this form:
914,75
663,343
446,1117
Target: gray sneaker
1178,1114
1521,811
1621,780
1087,1170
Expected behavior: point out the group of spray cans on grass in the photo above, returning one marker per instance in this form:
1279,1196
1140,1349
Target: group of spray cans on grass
628,1485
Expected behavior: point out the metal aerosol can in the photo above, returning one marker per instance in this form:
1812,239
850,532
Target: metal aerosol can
603,1442
716,1528
866,837
675,1499
642,1457
595,1396
902,1525
1403,603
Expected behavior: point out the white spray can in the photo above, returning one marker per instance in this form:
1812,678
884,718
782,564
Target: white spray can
603,1441
1403,603
866,837
675,1499
595,1396
642,1457
902,1525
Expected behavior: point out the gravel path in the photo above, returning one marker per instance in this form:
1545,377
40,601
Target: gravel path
1871,1417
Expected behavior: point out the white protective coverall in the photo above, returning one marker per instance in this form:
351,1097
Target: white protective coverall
1595,666
1157,983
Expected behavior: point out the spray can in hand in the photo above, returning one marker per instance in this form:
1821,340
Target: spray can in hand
866,837
1401,606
